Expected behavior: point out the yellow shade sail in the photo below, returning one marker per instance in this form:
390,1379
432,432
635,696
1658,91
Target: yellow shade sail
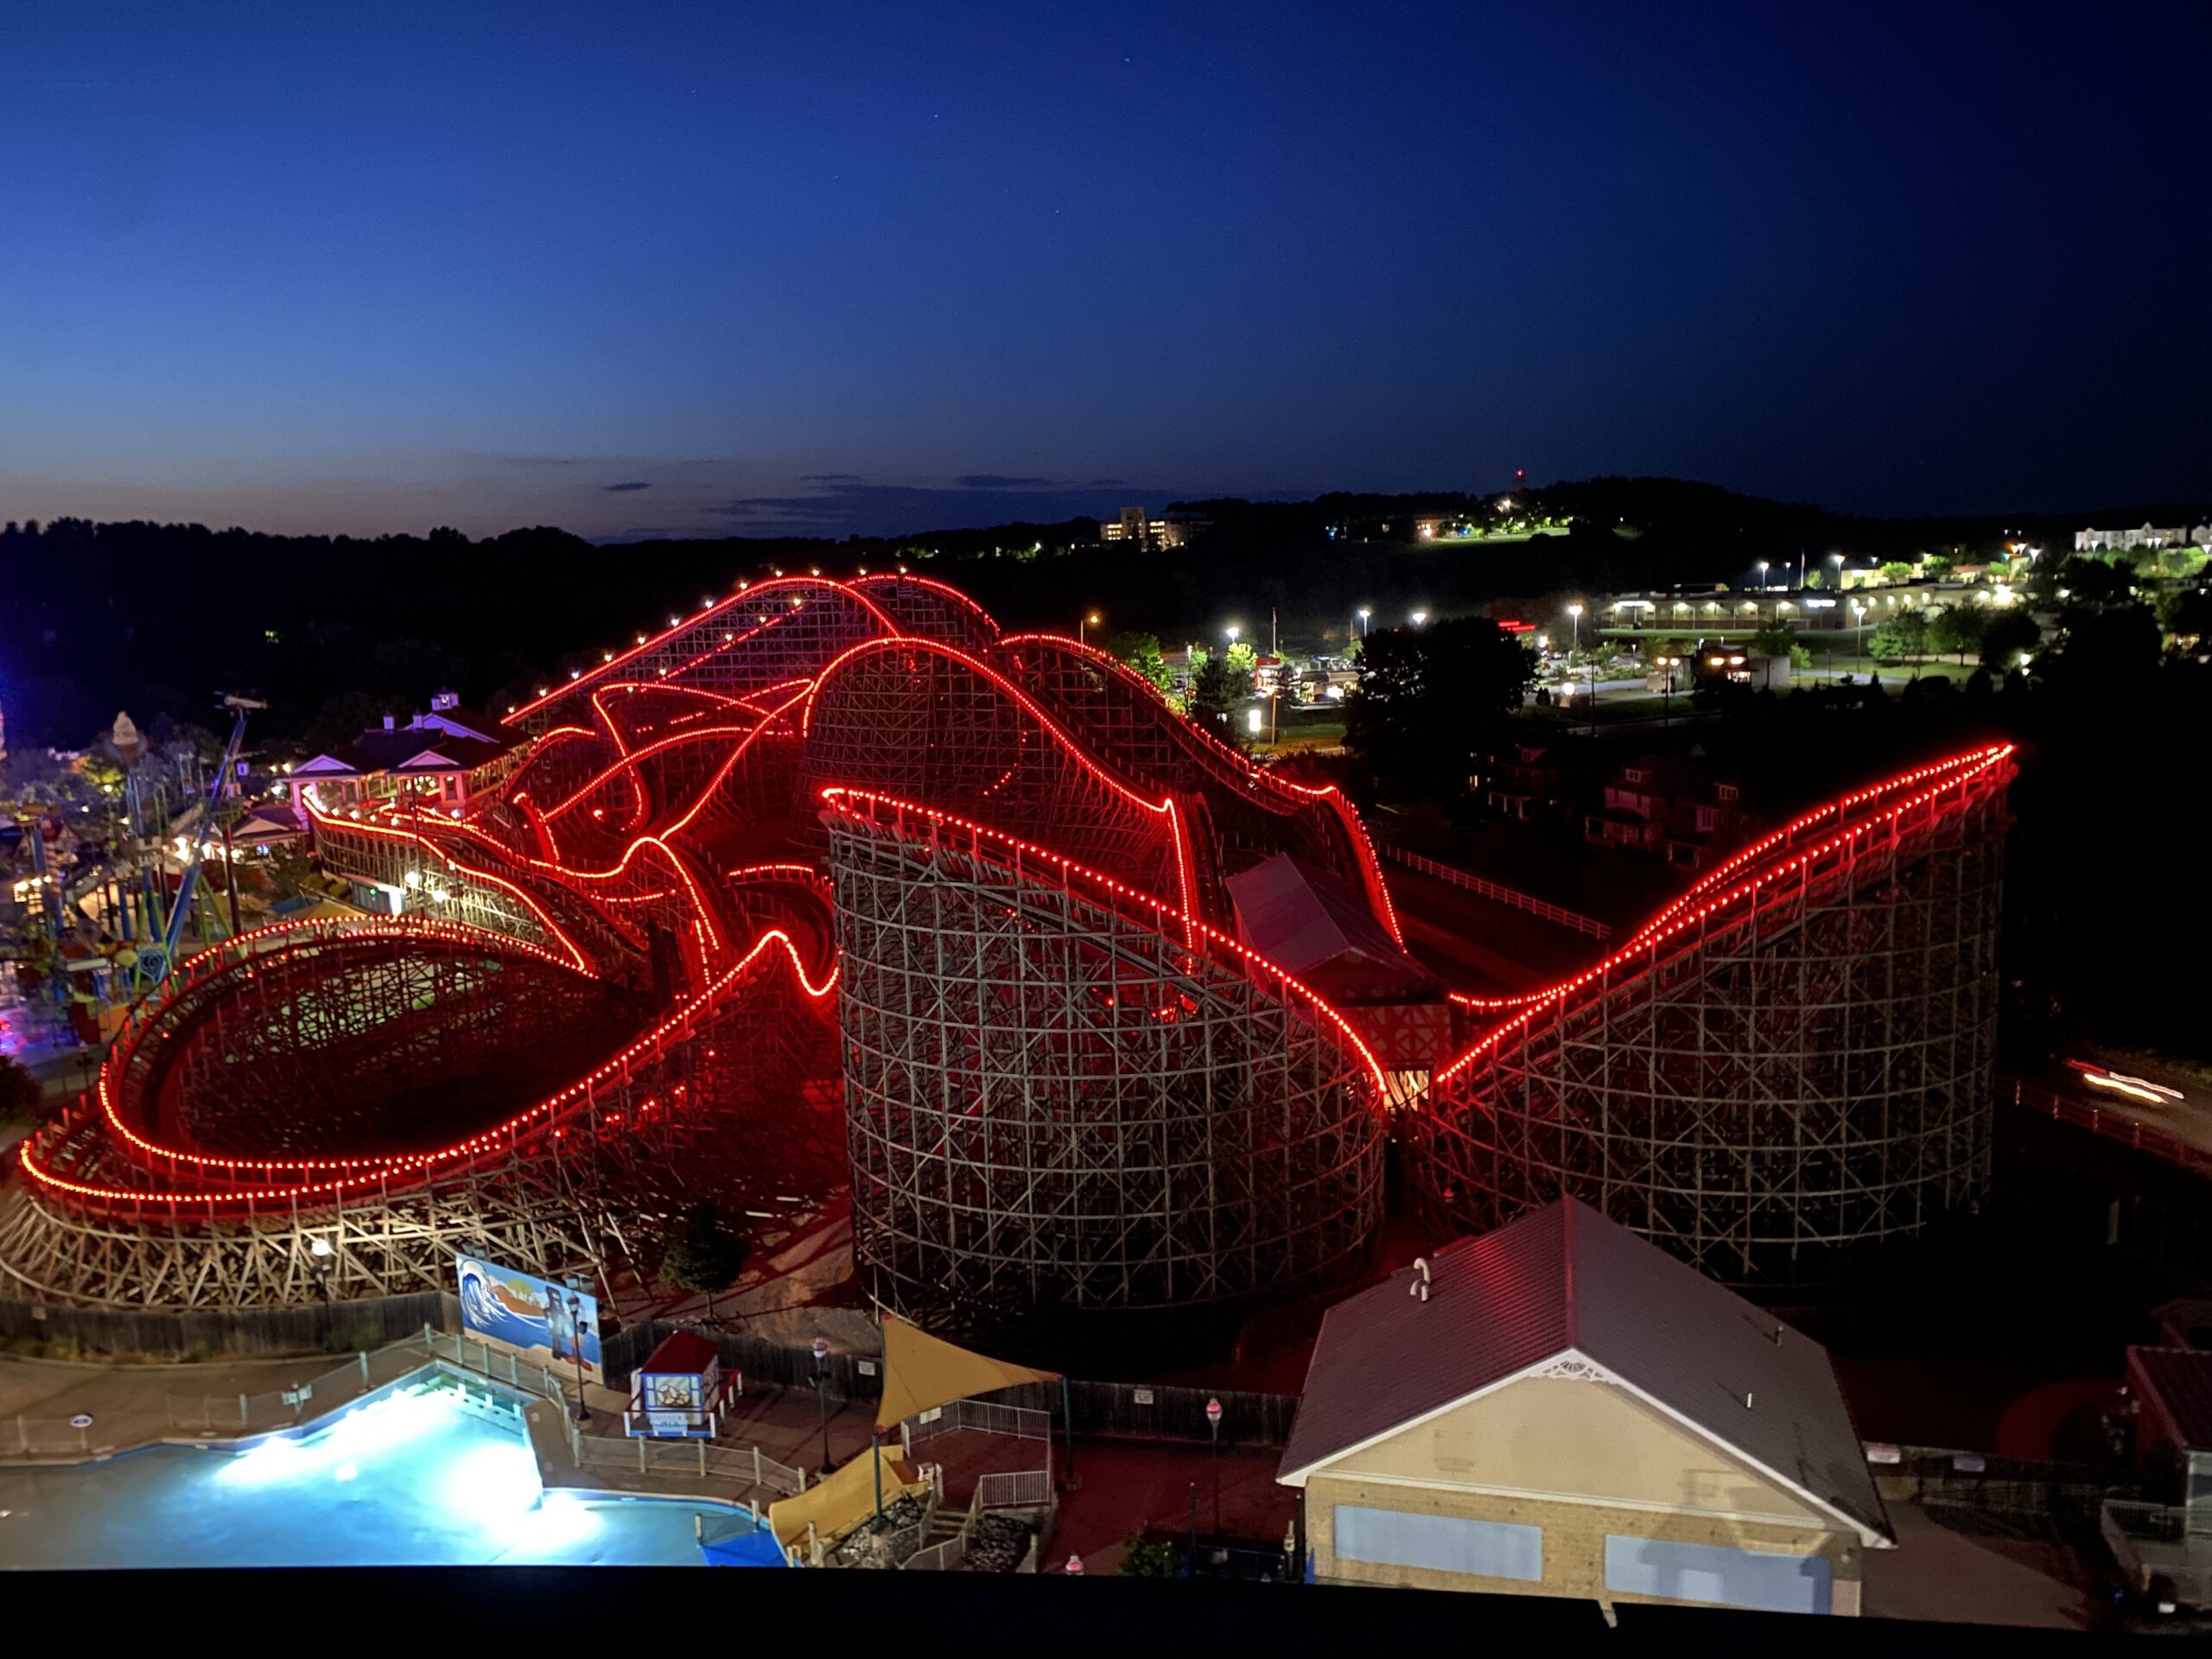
843,1500
920,1371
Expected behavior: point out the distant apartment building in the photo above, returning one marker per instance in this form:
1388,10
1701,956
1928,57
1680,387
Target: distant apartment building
1662,803
1134,525
1529,786
2146,536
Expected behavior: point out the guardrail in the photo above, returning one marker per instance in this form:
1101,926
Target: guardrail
746,1465
1499,893
2162,1550
2114,1126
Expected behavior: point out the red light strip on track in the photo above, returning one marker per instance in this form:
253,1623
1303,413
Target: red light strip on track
837,797
1378,891
1179,833
1677,916
377,1171
750,594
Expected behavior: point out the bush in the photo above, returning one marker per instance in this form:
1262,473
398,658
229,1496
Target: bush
1144,1557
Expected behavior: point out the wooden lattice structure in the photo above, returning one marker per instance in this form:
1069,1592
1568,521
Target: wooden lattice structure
1786,1068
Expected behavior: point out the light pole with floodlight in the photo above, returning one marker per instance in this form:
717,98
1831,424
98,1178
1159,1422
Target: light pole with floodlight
822,1396
1083,625
1575,611
1420,617
1213,1424
1361,615
319,1265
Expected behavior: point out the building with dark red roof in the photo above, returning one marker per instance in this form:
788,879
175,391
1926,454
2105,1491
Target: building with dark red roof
1561,1408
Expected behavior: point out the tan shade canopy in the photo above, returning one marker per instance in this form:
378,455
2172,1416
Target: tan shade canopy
920,1371
841,1501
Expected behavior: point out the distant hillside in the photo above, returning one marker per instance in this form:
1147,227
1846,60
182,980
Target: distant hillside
159,618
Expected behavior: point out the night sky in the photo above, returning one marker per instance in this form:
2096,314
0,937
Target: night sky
698,269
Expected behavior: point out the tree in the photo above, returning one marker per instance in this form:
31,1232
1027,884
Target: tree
1898,636
1220,689
1429,697
1775,639
1957,630
1896,570
703,1254
19,1090
2005,637
1244,655
1141,652
1937,567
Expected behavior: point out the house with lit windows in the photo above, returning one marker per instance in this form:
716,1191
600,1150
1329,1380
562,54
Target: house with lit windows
1662,803
1561,1408
441,759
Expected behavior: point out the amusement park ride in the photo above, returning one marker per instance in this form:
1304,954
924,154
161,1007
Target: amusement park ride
833,884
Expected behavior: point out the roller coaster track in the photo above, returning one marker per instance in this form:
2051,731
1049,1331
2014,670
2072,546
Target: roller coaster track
657,856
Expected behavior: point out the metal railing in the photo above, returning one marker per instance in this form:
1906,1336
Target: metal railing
738,1465
2162,1550
951,1552
250,1413
1500,893
1018,1489
744,1466
2114,1126
982,1416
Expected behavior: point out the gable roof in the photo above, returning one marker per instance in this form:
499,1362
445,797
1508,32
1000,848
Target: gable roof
2182,1379
1304,920
680,1351
1564,1280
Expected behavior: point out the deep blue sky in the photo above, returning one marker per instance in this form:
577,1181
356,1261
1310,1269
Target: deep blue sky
845,267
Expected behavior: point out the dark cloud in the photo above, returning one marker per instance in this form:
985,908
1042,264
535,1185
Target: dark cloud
897,510
832,478
999,481
629,486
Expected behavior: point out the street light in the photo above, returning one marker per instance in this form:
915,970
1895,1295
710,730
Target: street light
1420,617
1363,623
822,1396
1857,629
319,1265
1666,688
1213,1424
577,1345
1230,633
1762,575
1083,626
1575,611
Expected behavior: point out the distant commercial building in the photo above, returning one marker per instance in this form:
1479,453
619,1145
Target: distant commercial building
2150,535
1560,1408
1176,530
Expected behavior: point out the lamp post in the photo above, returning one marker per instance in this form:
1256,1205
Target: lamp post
1763,576
1083,627
1857,629
319,1265
1666,665
1420,617
1575,611
576,1347
822,1395
1213,1424
1363,623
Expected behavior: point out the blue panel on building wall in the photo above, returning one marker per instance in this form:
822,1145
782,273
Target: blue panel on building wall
1716,1575
1442,1543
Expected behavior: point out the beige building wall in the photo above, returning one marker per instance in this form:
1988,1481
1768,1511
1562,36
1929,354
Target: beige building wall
1580,1459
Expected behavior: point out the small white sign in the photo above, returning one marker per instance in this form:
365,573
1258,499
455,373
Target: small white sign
867,1367
931,1415
1142,1396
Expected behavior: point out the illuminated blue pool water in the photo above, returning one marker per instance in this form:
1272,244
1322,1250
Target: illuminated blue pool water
411,1478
